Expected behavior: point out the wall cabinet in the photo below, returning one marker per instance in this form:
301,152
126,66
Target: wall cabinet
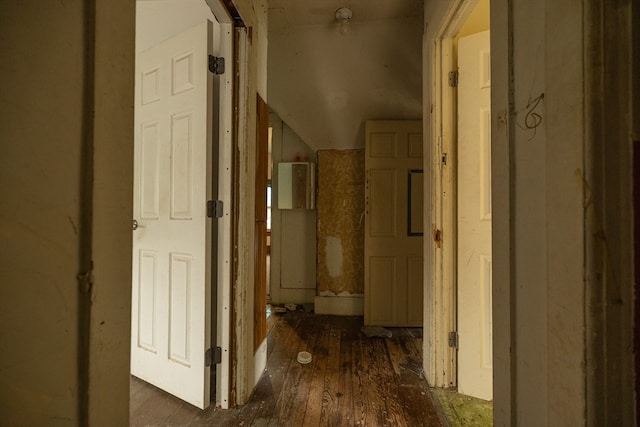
296,185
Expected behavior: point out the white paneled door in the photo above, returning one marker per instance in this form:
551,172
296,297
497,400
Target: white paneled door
394,212
171,311
474,217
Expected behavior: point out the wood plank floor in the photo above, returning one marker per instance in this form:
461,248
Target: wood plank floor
352,381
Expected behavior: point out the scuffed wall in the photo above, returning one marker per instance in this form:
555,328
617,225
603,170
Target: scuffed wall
65,176
41,213
340,222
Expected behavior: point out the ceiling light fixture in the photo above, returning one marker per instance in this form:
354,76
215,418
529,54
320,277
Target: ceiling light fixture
343,16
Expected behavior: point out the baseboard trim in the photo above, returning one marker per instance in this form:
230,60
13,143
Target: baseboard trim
340,306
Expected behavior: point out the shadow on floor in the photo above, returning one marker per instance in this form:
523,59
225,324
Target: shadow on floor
352,380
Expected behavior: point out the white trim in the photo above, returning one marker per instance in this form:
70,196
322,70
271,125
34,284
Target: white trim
440,129
242,325
225,182
502,131
219,11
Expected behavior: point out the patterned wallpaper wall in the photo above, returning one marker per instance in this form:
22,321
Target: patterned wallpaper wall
340,225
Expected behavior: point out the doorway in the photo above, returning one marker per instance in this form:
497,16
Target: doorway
461,181
201,302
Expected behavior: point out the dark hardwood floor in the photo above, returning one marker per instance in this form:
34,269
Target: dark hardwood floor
352,381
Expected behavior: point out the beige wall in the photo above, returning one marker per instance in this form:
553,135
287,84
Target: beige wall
66,211
293,233
546,213
325,84
477,21
41,213
158,20
112,214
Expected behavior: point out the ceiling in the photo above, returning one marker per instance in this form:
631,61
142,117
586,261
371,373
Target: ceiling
325,84
284,14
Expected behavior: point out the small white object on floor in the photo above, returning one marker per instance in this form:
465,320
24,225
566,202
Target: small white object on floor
291,307
304,357
279,309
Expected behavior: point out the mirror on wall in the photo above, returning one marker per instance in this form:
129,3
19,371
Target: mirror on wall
296,185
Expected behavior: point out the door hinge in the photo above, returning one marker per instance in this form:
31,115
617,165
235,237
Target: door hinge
444,159
215,208
453,78
216,64
212,356
453,339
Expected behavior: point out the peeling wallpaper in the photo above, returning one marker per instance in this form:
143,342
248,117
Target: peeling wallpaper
340,229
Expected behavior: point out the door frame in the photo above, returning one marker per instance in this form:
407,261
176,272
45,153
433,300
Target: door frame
439,359
440,284
222,297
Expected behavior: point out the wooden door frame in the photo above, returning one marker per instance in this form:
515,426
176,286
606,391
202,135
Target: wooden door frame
612,129
248,362
440,290
260,251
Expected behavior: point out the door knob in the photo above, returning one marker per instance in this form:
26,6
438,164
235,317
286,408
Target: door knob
135,225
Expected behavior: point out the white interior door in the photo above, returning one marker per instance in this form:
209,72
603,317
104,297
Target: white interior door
171,288
474,217
393,223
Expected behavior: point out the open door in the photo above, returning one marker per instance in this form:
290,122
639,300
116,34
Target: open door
260,280
393,266
474,217
172,240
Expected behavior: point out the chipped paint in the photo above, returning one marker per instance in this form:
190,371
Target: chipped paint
341,294
340,230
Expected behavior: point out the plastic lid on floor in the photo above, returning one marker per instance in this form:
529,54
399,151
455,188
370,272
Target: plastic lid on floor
304,357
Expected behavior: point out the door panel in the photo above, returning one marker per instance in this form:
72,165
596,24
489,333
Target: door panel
393,223
474,218
415,273
382,283
171,289
382,202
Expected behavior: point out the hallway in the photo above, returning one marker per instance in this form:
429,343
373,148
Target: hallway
353,380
